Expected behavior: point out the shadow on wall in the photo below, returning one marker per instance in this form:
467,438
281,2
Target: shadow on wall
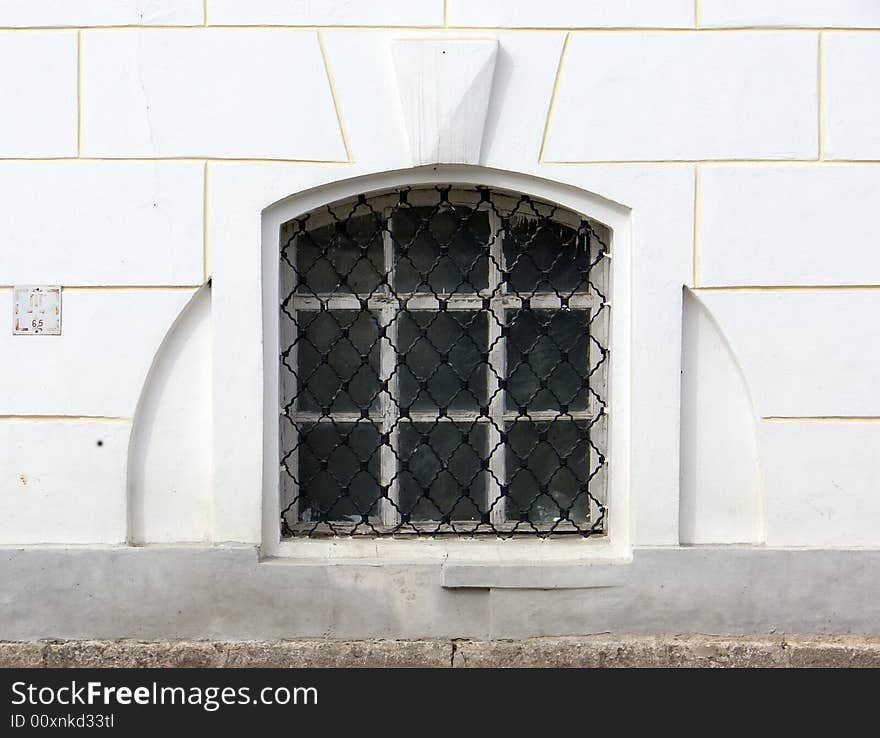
169,455
721,495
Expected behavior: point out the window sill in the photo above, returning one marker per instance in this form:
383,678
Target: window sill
535,563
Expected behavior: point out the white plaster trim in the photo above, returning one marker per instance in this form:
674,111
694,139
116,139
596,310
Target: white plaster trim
551,552
616,543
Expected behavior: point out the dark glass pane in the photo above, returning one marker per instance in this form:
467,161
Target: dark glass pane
548,359
338,472
344,256
440,250
441,470
338,359
444,357
545,256
547,470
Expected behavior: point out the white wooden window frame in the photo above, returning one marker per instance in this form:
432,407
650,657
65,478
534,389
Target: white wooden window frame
615,544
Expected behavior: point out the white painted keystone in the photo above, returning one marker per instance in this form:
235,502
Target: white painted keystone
444,88
366,86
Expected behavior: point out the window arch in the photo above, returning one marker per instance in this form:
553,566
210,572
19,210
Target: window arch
443,366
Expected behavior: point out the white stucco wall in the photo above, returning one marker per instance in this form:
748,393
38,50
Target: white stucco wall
142,140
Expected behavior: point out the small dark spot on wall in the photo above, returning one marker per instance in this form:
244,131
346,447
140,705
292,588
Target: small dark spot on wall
100,442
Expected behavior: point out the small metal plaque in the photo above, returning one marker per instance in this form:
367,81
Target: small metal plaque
36,311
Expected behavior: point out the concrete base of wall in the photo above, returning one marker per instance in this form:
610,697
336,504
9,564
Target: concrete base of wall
590,652
227,593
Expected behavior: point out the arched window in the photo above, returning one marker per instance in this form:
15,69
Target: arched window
443,366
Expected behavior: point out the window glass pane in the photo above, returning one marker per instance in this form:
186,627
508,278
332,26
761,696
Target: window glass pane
338,472
444,359
548,359
545,256
344,256
441,470
547,470
338,360
440,250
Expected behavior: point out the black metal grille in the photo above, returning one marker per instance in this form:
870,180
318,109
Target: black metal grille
443,366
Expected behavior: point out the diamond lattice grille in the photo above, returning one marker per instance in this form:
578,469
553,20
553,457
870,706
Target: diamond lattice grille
443,366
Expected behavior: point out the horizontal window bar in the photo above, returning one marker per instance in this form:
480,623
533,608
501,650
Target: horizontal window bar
468,527
417,301
430,417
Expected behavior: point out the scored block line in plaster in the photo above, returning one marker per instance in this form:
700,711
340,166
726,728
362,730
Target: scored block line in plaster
120,287
789,288
79,93
444,87
554,96
696,265
821,418
743,162
206,204
63,418
821,72
335,96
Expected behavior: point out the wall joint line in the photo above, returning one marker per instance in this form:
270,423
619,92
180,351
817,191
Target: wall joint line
553,98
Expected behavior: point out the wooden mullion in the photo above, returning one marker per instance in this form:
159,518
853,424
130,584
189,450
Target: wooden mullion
496,475
388,400
309,417
540,416
449,417
551,301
